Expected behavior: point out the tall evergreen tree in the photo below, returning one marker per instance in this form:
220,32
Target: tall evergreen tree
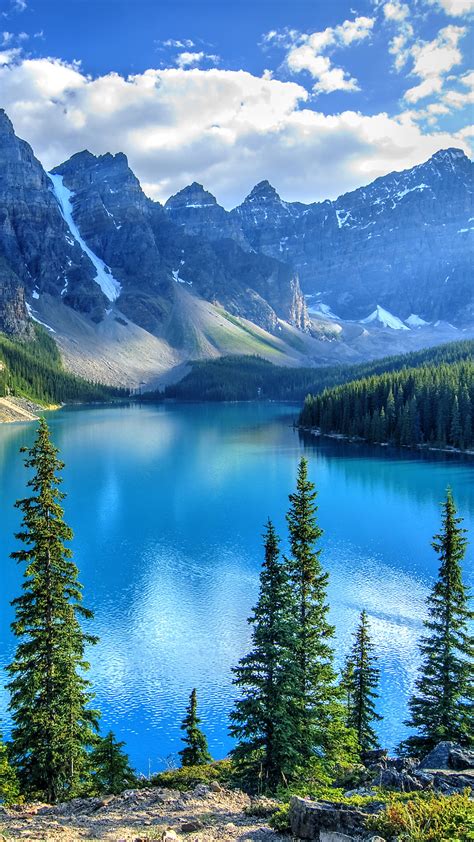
111,770
53,724
316,695
262,719
442,707
196,752
362,682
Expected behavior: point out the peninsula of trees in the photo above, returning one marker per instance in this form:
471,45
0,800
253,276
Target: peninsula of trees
430,405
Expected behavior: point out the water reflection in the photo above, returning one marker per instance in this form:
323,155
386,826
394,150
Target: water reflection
168,504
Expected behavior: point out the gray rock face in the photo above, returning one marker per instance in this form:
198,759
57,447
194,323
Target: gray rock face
404,242
401,243
198,213
35,242
148,254
14,319
58,234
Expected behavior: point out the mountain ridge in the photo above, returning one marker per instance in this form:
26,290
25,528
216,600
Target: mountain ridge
85,252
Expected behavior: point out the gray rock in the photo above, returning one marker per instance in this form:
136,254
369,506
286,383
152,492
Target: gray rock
438,758
309,818
402,781
191,826
334,836
461,758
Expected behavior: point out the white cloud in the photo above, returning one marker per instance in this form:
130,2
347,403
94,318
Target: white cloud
225,129
399,46
187,59
8,56
396,11
179,44
307,52
396,15
455,8
468,79
458,99
433,59
429,86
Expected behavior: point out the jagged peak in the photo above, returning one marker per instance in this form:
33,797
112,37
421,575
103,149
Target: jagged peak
193,195
263,192
452,153
86,160
6,125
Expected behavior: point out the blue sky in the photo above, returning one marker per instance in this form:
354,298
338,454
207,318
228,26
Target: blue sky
319,97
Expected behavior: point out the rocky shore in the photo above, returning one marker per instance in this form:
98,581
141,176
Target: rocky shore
206,814
217,814
19,409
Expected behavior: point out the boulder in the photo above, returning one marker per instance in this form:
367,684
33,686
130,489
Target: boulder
402,781
376,755
461,758
191,826
308,819
438,757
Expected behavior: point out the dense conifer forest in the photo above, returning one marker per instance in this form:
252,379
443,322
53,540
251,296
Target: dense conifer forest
432,405
34,370
252,378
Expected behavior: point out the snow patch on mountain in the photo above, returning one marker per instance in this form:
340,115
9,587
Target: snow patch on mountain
385,318
38,321
108,284
415,321
321,309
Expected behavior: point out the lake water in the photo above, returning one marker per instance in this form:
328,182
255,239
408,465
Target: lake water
168,504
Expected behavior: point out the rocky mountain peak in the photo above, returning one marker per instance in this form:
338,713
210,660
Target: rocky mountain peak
263,192
6,126
192,196
452,154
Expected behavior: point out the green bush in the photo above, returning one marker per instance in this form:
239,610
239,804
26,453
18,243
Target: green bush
190,776
280,821
426,818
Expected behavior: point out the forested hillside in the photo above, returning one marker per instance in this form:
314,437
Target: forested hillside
250,378
34,370
432,404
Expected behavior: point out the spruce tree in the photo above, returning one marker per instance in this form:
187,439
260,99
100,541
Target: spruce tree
262,719
53,724
196,752
9,786
362,683
316,696
442,706
111,770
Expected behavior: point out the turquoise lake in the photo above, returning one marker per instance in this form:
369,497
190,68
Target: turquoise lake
168,504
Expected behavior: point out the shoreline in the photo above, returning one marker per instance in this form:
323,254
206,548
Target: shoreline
424,448
14,410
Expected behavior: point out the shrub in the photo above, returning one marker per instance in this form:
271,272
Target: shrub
280,821
427,818
190,776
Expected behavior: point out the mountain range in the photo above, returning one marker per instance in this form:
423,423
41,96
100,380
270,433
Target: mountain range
132,289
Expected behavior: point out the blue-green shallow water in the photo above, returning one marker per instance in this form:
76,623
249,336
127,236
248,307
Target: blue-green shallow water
168,504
